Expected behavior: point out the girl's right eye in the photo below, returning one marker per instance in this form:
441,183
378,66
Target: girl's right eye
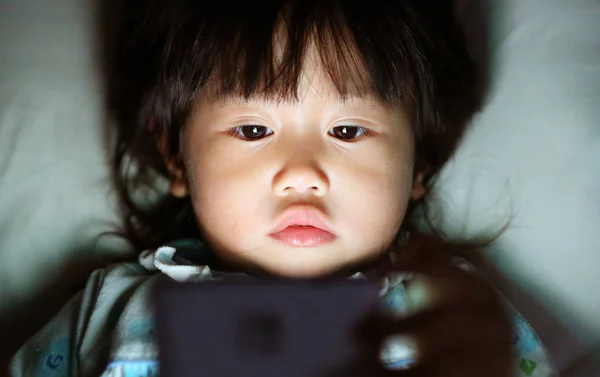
251,132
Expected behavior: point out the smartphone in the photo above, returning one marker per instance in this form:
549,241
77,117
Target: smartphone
260,328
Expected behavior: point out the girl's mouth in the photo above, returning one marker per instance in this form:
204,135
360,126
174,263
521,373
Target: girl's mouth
303,236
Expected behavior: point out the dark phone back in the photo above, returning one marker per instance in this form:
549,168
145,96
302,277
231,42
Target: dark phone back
259,328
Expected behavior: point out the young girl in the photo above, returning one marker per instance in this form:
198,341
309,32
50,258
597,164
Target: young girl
296,138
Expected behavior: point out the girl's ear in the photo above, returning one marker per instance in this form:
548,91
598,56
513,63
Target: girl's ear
179,184
178,180
418,189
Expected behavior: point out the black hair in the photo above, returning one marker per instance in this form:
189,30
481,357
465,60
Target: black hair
407,53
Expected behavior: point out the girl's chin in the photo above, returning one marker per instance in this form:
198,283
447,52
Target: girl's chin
314,270
299,263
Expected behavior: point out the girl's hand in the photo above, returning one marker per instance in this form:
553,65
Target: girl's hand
463,331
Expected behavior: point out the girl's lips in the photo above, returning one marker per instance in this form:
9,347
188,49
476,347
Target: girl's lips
303,236
303,226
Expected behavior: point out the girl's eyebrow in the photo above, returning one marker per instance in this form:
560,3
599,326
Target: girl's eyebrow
233,99
239,100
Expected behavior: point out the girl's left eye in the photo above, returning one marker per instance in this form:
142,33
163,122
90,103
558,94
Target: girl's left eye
251,132
349,133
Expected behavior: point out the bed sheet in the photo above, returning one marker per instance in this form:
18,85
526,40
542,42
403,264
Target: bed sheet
532,155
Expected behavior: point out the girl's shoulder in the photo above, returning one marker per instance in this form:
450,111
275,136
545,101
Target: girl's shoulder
112,306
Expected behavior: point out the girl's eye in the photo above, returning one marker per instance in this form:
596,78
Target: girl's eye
349,133
251,132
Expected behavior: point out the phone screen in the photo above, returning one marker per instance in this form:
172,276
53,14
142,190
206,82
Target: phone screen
260,328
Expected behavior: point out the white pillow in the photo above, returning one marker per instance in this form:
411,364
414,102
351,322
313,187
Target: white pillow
533,157
533,154
53,169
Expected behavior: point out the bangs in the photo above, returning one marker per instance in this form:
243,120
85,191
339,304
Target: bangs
238,49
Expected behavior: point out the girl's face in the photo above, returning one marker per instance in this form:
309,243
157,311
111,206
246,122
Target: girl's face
298,189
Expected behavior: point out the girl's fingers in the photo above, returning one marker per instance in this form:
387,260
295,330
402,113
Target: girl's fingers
451,318
443,336
462,330
454,288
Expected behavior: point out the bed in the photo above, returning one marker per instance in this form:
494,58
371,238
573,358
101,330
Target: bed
532,156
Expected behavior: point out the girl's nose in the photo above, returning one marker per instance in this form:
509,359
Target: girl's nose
301,179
